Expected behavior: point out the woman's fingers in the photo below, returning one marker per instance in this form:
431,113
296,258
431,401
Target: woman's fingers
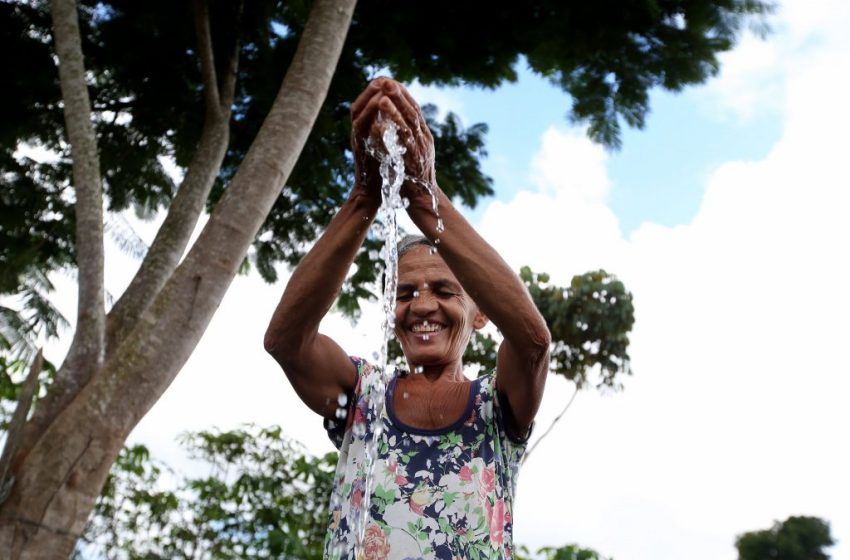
362,121
363,99
416,117
387,100
391,111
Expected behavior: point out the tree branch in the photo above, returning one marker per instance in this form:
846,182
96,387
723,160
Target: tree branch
19,418
228,86
87,346
167,332
176,230
186,208
138,371
86,353
205,53
552,425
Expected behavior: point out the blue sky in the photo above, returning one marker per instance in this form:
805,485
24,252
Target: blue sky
659,172
727,219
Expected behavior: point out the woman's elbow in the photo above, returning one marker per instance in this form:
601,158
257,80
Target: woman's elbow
278,342
539,336
540,341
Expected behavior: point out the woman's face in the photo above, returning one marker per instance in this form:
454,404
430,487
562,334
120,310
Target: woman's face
434,316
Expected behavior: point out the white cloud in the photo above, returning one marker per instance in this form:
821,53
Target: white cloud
752,77
445,101
736,414
749,82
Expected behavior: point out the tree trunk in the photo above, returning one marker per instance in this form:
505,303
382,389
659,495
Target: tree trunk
60,477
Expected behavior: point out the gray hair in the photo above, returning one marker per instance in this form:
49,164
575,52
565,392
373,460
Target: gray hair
410,241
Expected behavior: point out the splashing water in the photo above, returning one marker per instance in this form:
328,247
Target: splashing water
385,228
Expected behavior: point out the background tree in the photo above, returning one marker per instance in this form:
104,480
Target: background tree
796,538
233,93
567,552
263,496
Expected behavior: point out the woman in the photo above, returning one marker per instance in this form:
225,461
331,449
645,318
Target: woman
448,448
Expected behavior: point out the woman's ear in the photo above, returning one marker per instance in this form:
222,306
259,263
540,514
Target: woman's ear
479,321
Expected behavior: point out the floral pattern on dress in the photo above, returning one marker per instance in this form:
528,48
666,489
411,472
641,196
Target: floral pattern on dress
435,494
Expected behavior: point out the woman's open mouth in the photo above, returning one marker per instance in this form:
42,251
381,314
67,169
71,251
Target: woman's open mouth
426,329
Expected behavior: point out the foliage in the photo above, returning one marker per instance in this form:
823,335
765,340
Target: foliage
36,317
589,321
605,56
25,322
796,538
263,497
13,372
567,552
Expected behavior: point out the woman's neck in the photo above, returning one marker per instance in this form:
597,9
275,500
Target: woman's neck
443,373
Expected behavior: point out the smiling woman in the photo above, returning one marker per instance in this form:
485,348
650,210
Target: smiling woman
448,448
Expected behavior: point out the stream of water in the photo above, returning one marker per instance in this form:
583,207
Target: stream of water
386,229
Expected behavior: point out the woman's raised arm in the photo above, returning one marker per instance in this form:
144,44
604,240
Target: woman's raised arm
317,367
523,358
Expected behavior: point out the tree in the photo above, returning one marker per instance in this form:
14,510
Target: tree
221,107
796,538
263,497
567,552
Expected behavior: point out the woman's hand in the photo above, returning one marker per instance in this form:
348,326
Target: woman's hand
382,101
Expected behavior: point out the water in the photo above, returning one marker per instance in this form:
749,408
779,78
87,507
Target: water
392,176
385,228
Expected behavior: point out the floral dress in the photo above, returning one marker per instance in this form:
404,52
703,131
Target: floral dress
441,494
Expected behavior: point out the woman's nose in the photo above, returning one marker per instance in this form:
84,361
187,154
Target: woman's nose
423,302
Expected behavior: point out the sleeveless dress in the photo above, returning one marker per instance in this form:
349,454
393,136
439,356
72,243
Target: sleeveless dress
435,494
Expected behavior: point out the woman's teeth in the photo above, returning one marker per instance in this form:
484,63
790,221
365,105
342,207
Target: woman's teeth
426,328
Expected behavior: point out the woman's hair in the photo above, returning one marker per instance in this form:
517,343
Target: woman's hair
410,241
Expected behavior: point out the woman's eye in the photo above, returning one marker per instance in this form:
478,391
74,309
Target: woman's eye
404,296
444,294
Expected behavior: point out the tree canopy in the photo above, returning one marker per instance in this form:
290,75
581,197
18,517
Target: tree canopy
796,538
606,57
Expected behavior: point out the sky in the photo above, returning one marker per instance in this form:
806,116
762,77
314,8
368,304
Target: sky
726,219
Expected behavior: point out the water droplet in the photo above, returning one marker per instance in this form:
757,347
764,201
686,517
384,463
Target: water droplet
425,323
433,250
341,413
405,394
437,241
405,202
418,369
425,337
342,399
440,226
415,293
373,254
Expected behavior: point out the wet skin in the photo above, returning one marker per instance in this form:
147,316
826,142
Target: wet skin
434,318
319,369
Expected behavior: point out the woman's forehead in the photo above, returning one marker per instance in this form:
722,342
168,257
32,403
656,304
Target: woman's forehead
420,265
422,261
